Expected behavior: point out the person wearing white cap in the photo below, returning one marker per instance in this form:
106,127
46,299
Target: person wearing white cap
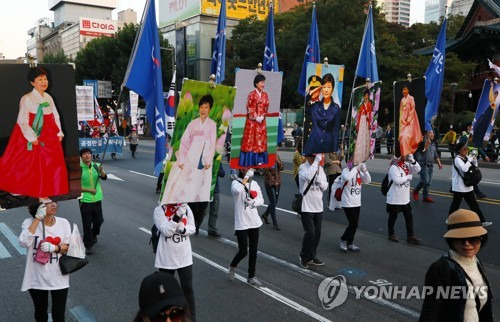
459,269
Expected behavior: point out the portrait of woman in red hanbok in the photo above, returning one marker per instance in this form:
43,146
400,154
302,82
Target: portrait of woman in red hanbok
363,125
254,142
410,134
33,161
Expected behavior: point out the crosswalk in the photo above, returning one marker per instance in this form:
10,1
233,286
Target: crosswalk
8,238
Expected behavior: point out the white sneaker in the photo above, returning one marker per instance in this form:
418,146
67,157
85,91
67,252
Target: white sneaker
353,248
343,245
255,282
232,272
487,223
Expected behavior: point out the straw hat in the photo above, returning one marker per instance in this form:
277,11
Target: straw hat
464,223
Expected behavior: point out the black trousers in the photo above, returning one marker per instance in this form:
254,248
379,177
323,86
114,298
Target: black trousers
393,211
92,220
248,238
41,300
311,222
331,179
133,148
200,210
352,215
470,199
186,278
297,180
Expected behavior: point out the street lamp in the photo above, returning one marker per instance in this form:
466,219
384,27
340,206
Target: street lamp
173,56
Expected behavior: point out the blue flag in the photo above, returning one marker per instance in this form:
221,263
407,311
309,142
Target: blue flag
367,60
270,56
143,76
219,54
434,78
312,53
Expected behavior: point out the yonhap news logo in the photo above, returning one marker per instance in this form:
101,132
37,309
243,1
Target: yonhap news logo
332,292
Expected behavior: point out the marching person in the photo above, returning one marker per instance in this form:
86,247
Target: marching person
214,206
91,200
353,177
298,159
175,222
40,279
311,174
333,166
133,139
398,196
247,197
272,184
426,159
461,164
449,138
460,269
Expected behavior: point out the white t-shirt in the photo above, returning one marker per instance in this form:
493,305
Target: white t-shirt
351,196
246,217
313,200
399,192
457,183
39,276
174,248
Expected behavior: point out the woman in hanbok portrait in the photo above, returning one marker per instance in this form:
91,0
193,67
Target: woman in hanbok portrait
33,161
410,134
190,178
363,124
325,119
254,142
484,121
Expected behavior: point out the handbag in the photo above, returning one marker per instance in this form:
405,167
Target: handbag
41,256
338,191
472,176
75,258
297,198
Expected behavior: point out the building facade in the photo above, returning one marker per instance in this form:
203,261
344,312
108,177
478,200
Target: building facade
436,9
396,11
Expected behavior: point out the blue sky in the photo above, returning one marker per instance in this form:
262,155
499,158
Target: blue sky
20,15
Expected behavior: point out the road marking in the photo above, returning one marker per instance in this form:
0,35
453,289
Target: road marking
113,177
4,253
489,182
147,231
284,210
12,238
143,174
81,314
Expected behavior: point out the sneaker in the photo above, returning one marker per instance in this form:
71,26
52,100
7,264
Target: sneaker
276,227
316,262
303,263
214,235
393,238
487,223
253,281
232,272
428,199
343,245
415,195
353,248
89,251
414,240
264,219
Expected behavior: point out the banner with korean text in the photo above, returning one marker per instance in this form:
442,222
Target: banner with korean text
85,103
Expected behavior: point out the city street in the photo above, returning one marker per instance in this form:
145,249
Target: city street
107,289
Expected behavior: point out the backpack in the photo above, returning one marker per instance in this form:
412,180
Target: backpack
155,238
472,177
386,185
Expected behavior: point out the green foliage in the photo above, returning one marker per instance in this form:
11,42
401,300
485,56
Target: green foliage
58,58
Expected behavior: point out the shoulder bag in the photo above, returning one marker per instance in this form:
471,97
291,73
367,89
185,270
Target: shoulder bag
297,199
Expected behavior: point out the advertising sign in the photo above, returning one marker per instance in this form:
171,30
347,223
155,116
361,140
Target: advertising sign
239,9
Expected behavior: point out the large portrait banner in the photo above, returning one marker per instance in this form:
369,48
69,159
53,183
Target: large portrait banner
203,116
486,113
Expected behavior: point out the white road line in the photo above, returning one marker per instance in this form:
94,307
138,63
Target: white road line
489,182
81,314
12,238
4,253
147,231
143,174
113,177
284,210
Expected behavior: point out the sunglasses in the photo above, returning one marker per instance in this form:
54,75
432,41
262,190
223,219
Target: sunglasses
471,240
174,314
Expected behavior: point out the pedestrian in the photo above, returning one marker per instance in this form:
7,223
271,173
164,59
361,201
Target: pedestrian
311,175
214,205
449,139
379,133
200,209
161,299
426,160
91,201
352,177
389,139
459,269
175,222
247,196
133,139
159,182
40,278
272,184
333,166
298,159
461,164
398,197
297,132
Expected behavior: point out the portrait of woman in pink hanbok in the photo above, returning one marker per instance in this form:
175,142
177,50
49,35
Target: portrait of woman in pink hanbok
190,178
363,124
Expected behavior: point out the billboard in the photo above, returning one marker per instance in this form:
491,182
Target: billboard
239,9
97,27
176,10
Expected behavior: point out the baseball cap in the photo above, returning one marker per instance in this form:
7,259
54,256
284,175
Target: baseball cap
159,291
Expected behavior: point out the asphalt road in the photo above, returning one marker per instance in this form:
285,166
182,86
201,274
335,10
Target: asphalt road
107,289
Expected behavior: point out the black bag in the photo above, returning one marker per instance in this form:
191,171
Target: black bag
155,238
297,198
70,264
386,185
472,177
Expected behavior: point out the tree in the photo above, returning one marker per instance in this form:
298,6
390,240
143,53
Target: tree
58,58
